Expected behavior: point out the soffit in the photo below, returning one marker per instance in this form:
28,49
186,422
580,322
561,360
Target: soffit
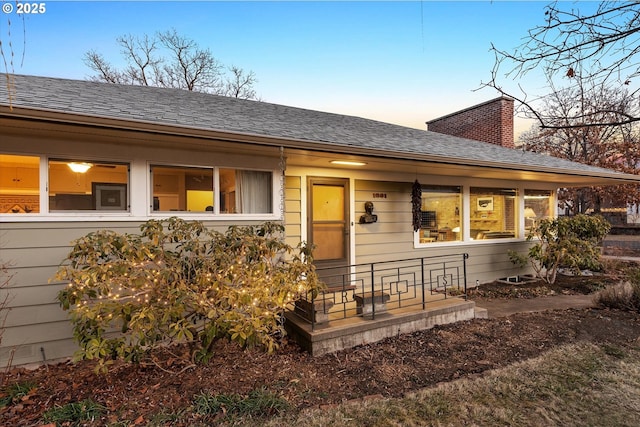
323,160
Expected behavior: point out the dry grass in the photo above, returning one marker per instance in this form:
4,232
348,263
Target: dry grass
620,296
578,385
624,295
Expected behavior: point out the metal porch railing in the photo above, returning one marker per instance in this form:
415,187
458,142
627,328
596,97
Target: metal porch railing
370,289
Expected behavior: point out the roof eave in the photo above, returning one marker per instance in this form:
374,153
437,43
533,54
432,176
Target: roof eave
604,177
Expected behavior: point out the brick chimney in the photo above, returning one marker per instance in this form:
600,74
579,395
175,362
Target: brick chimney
491,121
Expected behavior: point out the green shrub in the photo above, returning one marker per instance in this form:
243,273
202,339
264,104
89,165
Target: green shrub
179,281
568,242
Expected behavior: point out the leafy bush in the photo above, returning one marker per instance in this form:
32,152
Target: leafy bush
568,242
179,281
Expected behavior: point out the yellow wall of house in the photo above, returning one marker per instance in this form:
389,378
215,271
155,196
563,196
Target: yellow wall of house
293,210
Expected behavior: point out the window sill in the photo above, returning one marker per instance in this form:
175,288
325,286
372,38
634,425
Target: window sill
444,244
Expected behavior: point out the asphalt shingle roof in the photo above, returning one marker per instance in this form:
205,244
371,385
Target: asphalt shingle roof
217,113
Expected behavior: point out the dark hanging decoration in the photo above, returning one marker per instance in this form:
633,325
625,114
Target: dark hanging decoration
416,205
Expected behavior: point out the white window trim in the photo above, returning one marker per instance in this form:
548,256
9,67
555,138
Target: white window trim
277,182
140,208
466,222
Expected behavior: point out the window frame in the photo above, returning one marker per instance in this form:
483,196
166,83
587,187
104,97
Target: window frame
139,182
444,189
25,192
94,211
152,212
552,198
485,211
466,213
276,213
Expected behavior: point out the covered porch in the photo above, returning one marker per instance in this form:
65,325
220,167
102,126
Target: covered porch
365,303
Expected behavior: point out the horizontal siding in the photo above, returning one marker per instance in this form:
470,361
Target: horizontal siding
292,219
293,210
293,193
392,231
31,276
34,295
34,252
291,181
45,351
293,234
32,334
486,262
490,261
44,256
397,230
33,315
62,235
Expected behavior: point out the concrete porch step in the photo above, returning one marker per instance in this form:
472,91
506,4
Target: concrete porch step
351,332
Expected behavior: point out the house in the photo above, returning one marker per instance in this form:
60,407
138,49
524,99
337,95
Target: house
77,156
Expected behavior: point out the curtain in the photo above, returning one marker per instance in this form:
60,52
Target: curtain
253,192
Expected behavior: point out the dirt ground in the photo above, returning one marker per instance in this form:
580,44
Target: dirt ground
389,368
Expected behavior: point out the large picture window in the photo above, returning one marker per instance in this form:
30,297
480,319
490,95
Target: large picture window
441,214
77,185
19,184
493,213
86,186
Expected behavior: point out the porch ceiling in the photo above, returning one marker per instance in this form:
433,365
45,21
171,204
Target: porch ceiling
431,167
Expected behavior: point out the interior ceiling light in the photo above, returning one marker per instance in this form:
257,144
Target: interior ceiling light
347,163
79,167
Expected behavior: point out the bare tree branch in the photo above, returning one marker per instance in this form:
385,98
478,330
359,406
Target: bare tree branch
615,146
142,65
169,59
240,84
599,47
105,71
193,68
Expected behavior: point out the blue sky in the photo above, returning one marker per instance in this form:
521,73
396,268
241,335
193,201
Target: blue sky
399,62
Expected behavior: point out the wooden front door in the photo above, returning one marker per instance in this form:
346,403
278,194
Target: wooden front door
328,222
